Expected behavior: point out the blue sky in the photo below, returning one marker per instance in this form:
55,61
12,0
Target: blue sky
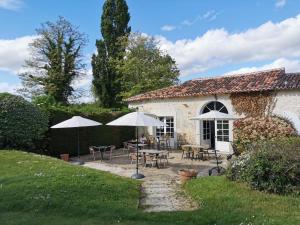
206,38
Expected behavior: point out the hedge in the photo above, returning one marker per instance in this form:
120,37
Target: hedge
65,140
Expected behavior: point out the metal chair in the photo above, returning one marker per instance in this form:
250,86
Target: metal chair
133,158
163,158
110,150
93,152
125,147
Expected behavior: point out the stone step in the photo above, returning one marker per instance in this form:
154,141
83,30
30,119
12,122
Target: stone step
159,209
156,201
160,195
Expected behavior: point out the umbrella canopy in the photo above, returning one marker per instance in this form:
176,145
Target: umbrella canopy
137,119
76,121
214,115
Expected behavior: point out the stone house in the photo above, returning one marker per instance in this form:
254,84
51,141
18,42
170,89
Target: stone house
175,105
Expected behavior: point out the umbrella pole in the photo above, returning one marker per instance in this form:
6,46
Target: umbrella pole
215,150
78,143
137,150
137,175
79,162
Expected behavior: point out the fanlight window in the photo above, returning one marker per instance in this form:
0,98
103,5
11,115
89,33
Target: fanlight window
218,106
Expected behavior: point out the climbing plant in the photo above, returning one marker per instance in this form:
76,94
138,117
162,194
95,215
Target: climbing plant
253,104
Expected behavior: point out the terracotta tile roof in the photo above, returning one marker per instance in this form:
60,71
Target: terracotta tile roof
275,79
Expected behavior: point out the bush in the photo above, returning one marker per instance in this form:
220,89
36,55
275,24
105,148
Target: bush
237,167
253,129
23,125
272,166
65,140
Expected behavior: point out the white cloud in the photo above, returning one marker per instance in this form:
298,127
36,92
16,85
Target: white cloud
280,3
10,88
13,53
291,65
11,4
218,47
210,15
84,81
168,28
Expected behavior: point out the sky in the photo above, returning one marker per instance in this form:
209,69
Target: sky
205,37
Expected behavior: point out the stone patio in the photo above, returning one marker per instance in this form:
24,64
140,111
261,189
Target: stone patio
161,188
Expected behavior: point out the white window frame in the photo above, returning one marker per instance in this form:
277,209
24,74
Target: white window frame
163,131
223,130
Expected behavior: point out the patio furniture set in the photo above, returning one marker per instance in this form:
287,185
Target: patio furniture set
198,152
102,150
147,157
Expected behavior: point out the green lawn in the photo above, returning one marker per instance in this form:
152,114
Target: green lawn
42,190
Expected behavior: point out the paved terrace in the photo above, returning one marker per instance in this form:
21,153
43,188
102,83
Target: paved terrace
161,188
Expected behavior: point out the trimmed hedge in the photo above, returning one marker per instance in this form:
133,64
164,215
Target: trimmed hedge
22,124
65,140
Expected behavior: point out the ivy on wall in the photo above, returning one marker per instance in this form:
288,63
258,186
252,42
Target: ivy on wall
253,104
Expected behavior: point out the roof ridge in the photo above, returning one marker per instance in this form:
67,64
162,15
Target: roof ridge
258,72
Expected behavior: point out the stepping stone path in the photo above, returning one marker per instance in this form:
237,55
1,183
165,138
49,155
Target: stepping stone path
164,193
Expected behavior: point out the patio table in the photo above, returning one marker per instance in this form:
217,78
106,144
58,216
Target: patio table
139,145
102,149
152,151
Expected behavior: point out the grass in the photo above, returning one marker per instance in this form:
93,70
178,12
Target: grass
43,190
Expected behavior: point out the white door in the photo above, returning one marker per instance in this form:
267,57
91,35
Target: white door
222,128
205,134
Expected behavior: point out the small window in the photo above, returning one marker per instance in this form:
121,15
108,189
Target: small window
166,130
223,130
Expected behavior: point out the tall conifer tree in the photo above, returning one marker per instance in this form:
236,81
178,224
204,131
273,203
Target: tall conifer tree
114,26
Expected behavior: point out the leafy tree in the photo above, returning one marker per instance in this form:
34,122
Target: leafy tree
146,67
56,60
114,26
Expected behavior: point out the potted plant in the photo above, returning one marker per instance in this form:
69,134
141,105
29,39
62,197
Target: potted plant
187,174
65,157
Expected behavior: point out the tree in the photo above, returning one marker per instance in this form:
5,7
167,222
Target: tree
56,60
114,26
146,67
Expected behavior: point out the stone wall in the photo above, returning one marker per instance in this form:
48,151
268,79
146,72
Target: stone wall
182,109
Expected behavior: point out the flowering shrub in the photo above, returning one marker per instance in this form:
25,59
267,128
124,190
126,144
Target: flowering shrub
237,166
271,165
253,129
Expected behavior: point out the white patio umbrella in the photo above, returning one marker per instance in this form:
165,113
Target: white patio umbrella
76,122
214,115
137,119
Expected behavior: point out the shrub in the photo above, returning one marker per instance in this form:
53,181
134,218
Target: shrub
237,167
253,129
272,166
22,124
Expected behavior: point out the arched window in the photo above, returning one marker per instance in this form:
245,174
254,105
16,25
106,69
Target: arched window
215,105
